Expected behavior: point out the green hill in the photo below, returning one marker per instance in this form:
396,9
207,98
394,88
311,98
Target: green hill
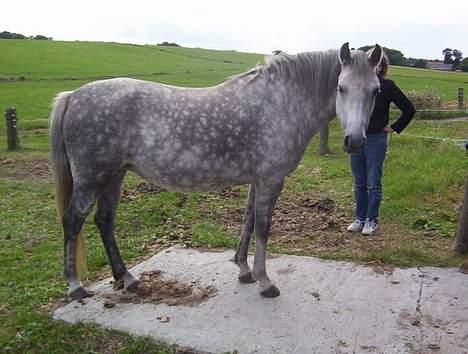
33,72
36,60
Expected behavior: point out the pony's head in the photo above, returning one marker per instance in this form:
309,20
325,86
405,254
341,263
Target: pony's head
357,87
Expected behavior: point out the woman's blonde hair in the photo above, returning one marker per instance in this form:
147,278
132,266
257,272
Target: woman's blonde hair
381,70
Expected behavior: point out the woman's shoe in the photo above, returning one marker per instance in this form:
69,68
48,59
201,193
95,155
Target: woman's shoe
356,226
370,227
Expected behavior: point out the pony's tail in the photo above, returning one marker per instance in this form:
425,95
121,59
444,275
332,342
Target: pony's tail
62,173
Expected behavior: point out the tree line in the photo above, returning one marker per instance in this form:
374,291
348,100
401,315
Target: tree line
451,56
11,35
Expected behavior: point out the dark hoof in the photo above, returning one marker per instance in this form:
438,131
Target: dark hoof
271,292
246,278
133,286
118,284
79,293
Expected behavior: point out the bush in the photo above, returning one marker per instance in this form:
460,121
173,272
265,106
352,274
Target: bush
464,65
394,56
40,37
420,63
10,35
168,44
439,114
427,99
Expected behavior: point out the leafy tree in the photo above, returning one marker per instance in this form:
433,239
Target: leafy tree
464,65
457,58
420,63
10,35
40,37
168,44
447,52
394,56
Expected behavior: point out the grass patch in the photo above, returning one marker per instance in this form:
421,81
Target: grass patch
212,235
38,334
445,83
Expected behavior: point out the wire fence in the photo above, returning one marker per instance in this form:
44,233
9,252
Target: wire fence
462,143
32,139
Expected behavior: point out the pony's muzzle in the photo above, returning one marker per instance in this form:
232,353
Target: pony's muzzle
354,143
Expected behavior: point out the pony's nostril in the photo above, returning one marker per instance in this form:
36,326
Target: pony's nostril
346,141
353,143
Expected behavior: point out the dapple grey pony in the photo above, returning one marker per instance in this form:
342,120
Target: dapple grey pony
252,129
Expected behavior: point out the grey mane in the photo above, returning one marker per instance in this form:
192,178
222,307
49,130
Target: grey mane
319,70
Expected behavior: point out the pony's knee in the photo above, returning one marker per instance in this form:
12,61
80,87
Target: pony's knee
103,217
72,223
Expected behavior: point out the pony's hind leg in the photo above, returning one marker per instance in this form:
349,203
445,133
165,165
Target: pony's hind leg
267,193
105,221
73,219
240,258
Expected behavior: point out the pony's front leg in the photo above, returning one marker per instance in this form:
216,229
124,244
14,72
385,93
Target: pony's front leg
267,193
245,274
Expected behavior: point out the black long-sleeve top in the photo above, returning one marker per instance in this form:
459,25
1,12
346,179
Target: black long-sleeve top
389,92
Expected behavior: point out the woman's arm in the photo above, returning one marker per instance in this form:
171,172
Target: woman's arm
404,104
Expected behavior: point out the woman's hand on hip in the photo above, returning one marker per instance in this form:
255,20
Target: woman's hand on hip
388,130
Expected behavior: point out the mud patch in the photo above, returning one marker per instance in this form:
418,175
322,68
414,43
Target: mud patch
132,193
156,289
305,216
297,219
229,193
381,268
38,170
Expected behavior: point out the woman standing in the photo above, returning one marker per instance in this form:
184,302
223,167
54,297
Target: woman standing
367,165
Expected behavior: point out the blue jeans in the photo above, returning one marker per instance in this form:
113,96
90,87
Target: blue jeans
367,167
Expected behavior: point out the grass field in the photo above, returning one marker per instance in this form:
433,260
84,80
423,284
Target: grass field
422,186
445,83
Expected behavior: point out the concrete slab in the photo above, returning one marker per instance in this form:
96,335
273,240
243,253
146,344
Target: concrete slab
324,307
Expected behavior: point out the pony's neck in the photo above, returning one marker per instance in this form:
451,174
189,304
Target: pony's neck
321,73
317,71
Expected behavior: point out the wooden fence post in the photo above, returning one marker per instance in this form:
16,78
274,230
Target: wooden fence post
12,129
461,105
462,233
324,147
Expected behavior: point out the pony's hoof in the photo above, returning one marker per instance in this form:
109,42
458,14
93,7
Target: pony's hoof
246,278
133,286
79,293
270,292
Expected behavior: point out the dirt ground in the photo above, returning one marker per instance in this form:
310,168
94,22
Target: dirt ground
25,169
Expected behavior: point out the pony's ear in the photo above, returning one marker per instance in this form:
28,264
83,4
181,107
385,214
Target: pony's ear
345,54
376,56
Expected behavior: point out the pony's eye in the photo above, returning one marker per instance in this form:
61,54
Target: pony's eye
340,89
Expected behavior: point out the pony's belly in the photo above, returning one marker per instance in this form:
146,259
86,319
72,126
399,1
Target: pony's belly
180,180
186,185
